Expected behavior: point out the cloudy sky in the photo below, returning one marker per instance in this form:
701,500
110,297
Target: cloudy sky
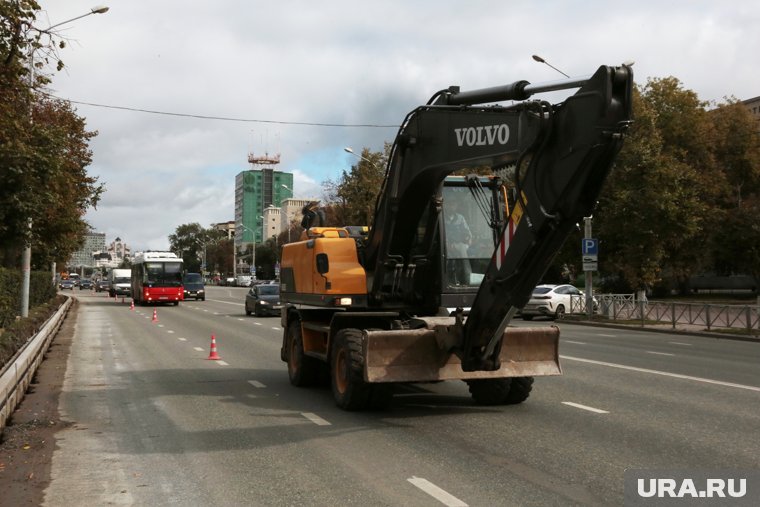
285,70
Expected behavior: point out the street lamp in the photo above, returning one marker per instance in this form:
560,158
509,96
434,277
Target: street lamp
26,254
541,60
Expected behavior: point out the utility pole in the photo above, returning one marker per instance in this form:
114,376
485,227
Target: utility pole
589,273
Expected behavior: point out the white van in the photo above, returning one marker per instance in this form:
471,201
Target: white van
121,282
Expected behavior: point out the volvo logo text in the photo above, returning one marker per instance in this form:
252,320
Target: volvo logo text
483,136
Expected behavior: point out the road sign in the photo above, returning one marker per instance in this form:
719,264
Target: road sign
590,266
590,247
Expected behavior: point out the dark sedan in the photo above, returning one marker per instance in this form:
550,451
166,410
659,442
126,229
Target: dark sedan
66,284
85,283
263,300
102,285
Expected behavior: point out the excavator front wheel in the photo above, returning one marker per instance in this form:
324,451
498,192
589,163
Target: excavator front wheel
303,370
346,365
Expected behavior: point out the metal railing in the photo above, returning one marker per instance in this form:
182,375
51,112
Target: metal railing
625,307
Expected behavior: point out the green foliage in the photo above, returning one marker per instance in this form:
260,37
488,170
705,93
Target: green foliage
44,149
189,240
17,333
352,198
41,290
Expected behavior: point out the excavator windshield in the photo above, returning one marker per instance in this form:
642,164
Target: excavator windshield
469,236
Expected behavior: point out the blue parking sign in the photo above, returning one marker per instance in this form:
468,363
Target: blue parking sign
590,246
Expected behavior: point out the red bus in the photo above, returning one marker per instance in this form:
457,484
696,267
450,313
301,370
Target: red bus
157,278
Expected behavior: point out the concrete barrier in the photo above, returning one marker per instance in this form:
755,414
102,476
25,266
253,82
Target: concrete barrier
16,376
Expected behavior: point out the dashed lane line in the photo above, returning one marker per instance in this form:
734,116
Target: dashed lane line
659,353
315,419
573,341
439,494
256,384
585,407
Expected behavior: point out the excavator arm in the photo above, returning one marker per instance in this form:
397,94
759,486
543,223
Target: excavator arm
562,155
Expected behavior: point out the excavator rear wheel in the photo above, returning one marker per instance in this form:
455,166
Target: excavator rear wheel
303,370
346,365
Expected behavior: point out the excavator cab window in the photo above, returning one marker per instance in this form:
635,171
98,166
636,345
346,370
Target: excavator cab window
469,237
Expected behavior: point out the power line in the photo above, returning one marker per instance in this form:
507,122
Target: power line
222,118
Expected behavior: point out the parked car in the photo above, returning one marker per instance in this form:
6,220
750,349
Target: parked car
263,300
193,286
85,283
66,284
554,301
102,285
243,281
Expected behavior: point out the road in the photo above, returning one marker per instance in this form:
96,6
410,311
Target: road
157,423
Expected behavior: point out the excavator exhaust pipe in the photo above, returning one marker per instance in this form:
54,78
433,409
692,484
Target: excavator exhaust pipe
415,356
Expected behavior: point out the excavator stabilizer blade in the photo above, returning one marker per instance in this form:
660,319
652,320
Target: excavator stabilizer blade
415,356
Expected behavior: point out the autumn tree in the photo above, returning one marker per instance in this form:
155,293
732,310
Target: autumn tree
44,147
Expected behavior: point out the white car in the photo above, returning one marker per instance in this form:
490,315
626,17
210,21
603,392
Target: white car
554,301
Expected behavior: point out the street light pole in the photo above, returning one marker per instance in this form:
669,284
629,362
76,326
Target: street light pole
541,60
26,254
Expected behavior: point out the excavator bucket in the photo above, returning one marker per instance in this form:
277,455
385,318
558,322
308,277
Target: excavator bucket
415,356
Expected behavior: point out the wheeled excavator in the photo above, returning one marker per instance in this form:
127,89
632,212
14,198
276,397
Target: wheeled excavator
427,291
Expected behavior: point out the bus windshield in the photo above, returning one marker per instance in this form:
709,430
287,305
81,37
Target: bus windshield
163,274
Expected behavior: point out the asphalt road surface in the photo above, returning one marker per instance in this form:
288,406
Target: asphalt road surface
154,422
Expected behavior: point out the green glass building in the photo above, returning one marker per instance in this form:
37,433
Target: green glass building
256,190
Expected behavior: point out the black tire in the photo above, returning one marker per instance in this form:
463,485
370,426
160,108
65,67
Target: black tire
560,312
519,390
527,317
346,366
489,391
247,311
303,371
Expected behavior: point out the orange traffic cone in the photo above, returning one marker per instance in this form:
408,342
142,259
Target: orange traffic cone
132,305
155,315
213,355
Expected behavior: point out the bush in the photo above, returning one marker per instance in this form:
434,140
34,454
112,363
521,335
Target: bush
41,290
20,331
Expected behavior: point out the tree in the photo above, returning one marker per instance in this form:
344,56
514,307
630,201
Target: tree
44,149
191,241
353,197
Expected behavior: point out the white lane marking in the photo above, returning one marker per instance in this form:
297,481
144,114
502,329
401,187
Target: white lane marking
241,320
315,419
160,325
222,363
659,353
198,349
607,335
276,328
572,341
431,489
585,407
182,339
680,343
170,331
257,323
664,373
256,383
